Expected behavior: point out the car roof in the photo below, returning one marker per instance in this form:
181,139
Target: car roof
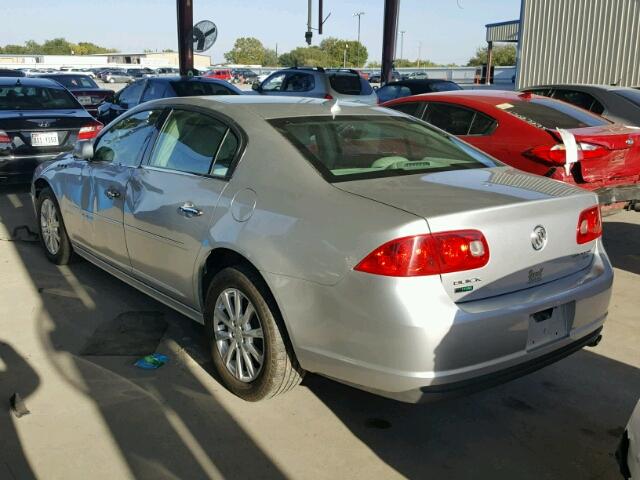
488,97
271,107
581,86
29,82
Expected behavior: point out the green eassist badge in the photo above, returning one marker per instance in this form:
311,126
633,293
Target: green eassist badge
468,288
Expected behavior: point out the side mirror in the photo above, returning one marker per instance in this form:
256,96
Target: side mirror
83,150
256,87
375,89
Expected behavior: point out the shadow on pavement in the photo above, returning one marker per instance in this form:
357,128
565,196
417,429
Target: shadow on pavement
561,422
622,242
165,422
16,376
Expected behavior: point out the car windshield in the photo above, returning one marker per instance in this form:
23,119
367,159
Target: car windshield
24,97
444,86
547,113
631,95
368,146
348,83
74,81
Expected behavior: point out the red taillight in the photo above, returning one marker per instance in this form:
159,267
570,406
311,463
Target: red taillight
557,154
328,97
4,137
589,225
443,252
90,131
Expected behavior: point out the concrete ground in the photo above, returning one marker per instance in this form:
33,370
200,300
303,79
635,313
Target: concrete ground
99,417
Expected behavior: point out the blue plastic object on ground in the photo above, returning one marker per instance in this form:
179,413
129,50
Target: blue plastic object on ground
151,362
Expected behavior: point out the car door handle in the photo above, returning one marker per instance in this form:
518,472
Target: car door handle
111,193
190,210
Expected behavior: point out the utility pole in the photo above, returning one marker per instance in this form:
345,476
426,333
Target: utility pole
344,55
402,32
309,34
389,35
185,36
358,14
419,52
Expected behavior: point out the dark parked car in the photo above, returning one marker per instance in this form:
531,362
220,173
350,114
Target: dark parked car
618,104
161,87
406,88
377,77
7,72
83,88
39,119
244,74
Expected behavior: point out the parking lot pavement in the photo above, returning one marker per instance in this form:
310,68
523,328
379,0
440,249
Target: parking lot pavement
98,416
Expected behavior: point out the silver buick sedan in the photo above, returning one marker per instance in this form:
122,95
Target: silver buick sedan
350,241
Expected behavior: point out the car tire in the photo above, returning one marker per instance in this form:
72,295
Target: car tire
279,371
53,234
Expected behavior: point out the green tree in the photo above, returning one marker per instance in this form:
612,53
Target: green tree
336,49
247,51
56,46
503,55
270,58
308,56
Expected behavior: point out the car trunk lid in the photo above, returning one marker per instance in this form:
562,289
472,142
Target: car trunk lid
507,207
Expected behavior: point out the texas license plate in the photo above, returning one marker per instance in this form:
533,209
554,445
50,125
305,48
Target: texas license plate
44,139
550,325
84,100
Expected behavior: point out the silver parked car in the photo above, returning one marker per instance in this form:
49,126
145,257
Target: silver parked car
351,241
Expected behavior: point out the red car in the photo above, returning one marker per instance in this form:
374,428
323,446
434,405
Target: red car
220,74
521,130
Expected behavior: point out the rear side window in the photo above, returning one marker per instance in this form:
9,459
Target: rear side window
19,97
130,96
194,89
545,92
552,114
299,82
188,142
450,118
391,92
580,99
348,83
122,144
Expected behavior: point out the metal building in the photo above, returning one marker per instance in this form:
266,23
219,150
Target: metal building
574,41
579,41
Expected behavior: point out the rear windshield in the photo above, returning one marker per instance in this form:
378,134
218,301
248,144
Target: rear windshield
18,97
444,86
192,89
348,83
74,81
631,95
548,113
359,147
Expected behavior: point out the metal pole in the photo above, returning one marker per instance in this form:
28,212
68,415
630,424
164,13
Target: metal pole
185,36
419,49
390,32
402,32
308,35
487,79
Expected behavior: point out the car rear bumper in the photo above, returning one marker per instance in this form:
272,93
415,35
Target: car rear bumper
19,169
409,341
621,193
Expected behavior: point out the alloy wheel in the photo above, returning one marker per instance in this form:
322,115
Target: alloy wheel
238,335
50,226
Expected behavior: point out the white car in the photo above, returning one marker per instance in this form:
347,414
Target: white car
628,453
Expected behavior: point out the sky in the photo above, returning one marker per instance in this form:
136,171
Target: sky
449,31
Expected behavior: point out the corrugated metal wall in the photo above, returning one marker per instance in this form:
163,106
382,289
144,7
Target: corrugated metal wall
503,32
579,41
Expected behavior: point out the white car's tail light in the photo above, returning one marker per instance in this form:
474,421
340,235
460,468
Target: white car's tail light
90,131
4,137
589,225
430,254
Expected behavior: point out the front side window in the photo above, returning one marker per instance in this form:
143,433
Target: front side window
24,97
548,113
368,146
299,82
189,142
154,91
274,84
124,142
450,118
632,95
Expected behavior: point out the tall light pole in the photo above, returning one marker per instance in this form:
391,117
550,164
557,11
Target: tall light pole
419,52
402,32
358,14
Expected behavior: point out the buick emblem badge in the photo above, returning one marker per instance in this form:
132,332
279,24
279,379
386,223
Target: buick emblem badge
538,238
